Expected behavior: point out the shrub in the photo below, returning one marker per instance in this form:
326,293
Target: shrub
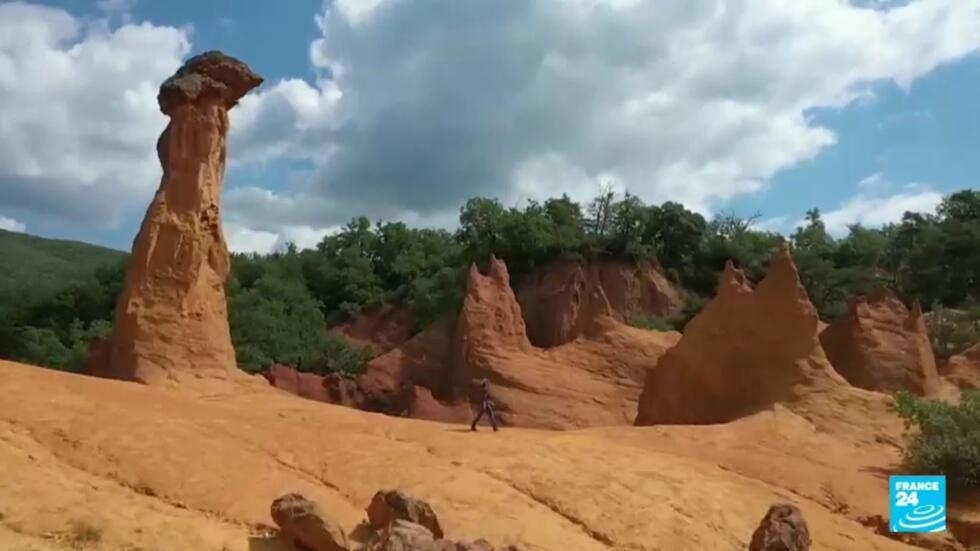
947,439
651,323
337,355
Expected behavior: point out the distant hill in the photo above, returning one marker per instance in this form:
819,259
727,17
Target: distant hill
38,265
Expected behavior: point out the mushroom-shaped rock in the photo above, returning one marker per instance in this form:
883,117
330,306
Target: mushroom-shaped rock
388,506
171,322
302,523
782,529
207,77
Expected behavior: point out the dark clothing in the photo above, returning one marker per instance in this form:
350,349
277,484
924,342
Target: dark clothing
486,408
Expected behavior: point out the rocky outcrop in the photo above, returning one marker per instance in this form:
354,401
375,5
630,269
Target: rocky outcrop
388,381
307,385
423,405
883,346
558,303
592,381
388,506
782,529
745,351
171,321
381,328
302,523
963,370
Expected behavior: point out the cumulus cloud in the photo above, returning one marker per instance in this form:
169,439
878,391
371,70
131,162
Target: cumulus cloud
421,105
242,239
417,106
877,203
78,111
10,224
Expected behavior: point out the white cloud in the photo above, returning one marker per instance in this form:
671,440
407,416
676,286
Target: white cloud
10,224
878,203
418,106
430,103
78,110
245,240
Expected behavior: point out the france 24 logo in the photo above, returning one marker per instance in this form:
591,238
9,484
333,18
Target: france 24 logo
917,504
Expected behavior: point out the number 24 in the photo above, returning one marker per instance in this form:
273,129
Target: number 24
906,498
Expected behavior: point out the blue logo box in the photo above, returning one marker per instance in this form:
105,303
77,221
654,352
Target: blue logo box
917,504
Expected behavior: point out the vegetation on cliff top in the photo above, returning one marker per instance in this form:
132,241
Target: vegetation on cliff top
279,303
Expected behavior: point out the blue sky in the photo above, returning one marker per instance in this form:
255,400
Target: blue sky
402,109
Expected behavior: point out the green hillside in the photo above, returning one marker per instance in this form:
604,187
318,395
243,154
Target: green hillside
39,266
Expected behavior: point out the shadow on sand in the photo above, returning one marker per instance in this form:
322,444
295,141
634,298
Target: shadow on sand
268,543
362,534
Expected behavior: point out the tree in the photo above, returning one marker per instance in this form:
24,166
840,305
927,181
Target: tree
275,321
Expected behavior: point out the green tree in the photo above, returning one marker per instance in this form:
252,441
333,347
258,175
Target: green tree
947,438
275,321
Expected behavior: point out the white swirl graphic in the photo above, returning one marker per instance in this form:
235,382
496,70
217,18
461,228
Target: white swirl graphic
925,518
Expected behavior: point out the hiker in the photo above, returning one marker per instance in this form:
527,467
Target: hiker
486,405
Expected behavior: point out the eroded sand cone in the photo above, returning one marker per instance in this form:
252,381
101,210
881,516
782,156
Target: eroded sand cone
745,351
171,319
882,345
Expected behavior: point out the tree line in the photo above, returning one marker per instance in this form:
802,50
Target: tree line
279,304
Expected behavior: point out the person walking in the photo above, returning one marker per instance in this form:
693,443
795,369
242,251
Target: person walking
486,405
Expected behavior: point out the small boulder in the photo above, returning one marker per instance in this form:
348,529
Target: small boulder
782,529
302,523
388,506
402,535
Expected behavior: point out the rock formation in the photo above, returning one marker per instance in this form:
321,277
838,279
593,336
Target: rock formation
305,385
745,351
302,523
388,506
782,529
171,319
592,381
382,328
557,303
881,345
388,382
963,370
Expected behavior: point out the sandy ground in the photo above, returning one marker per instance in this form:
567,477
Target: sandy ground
104,465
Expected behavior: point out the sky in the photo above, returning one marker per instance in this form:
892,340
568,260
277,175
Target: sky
404,109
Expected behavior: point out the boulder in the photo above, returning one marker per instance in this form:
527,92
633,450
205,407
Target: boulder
402,535
388,506
558,306
302,523
171,323
883,346
782,529
747,350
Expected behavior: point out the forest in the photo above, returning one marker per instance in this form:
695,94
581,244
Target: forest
279,304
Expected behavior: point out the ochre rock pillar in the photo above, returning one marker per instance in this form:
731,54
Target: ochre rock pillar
171,321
